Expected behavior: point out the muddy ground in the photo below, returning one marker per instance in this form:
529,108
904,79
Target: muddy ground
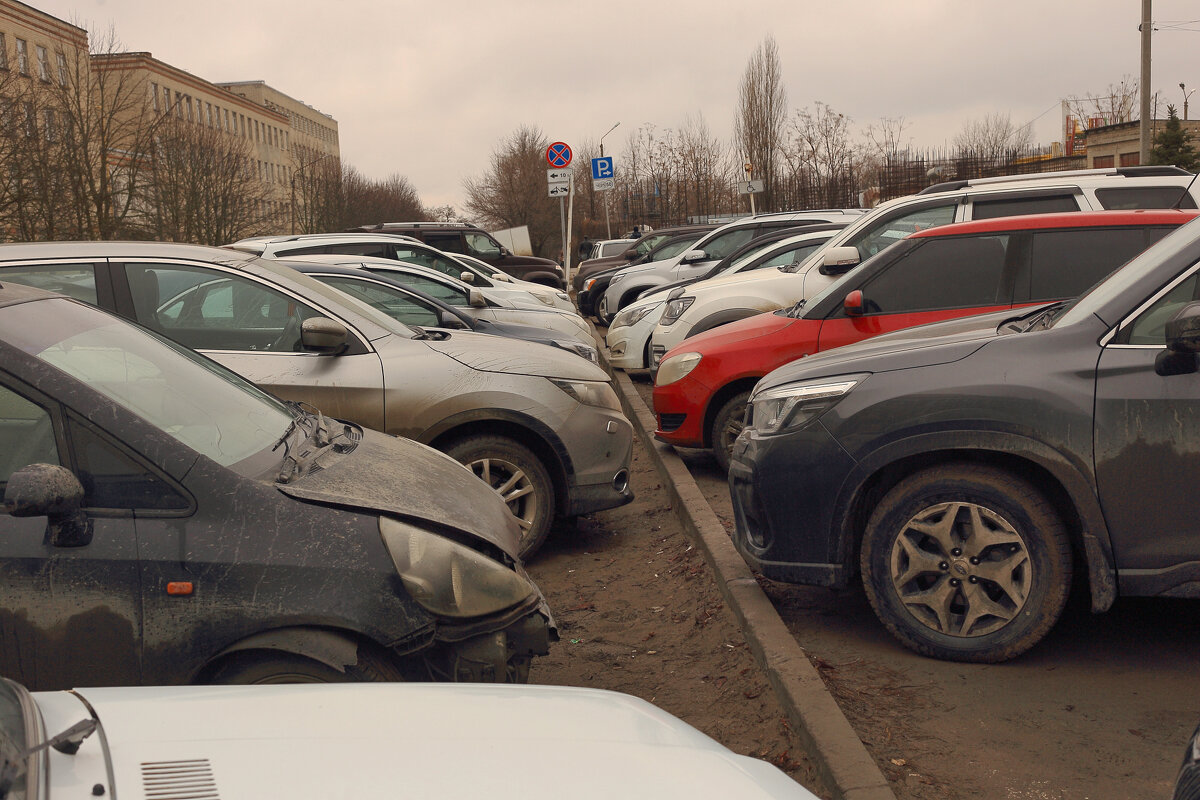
638,612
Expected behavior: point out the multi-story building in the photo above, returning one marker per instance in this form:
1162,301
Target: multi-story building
36,46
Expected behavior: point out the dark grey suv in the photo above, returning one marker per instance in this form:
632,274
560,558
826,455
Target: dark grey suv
964,469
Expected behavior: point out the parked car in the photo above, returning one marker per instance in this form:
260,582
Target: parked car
450,742
166,522
540,425
415,308
1187,784
629,334
595,286
634,254
497,303
630,283
402,248
607,248
467,239
964,469
950,271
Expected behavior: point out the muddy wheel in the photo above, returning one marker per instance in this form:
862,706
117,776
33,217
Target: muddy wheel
273,666
518,476
966,563
727,426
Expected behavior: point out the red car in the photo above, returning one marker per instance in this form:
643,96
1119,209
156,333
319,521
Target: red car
950,271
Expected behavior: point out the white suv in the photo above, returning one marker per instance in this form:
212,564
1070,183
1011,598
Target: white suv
707,304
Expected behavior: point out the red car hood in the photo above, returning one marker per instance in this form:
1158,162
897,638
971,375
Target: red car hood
733,335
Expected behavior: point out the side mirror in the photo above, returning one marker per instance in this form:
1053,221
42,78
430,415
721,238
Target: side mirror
630,254
853,304
448,319
839,260
1183,343
467,277
476,298
693,255
505,252
323,335
48,490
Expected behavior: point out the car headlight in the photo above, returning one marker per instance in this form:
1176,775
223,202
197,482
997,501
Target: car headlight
632,316
590,393
566,298
675,368
616,279
675,309
449,579
548,299
579,349
790,406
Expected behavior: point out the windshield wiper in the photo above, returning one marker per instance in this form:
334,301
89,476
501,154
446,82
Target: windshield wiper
318,430
13,759
794,311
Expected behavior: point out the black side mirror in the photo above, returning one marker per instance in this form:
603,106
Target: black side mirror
48,490
1183,343
323,335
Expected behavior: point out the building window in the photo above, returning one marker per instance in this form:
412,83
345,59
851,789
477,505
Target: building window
43,58
1131,159
30,120
227,128
208,111
48,116
22,57
154,97
61,58
3,52
1102,161
166,100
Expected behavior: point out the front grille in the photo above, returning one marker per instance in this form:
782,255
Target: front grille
670,422
179,780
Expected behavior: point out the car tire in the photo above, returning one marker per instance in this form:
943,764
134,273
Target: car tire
274,666
518,476
726,426
966,562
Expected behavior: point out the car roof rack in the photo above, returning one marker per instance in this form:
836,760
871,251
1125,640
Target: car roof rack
1127,172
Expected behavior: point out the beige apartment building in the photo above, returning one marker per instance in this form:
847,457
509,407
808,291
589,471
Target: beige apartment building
36,46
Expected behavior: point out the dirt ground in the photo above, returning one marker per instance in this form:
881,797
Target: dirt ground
638,612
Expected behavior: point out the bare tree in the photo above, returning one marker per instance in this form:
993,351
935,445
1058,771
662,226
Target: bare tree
822,158
993,138
1118,103
365,201
705,168
762,113
513,190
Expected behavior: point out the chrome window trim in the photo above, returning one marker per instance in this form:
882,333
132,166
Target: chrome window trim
1133,315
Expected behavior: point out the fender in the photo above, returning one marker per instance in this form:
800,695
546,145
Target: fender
544,278
333,648
722,317
1080,492
564,468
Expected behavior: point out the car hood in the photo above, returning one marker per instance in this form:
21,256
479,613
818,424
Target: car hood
723,282
492,354
405,479
727,337
922,346
403,740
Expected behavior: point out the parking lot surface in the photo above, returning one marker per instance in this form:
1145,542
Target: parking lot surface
1100,709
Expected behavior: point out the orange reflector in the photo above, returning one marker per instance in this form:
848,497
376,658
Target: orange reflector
179,587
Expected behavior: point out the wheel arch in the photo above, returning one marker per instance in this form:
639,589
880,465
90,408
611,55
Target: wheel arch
721,397
1065,486
333,647
723,317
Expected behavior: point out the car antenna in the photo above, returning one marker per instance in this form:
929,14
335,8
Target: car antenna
1186,190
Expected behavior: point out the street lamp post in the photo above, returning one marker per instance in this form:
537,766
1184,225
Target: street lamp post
1186,95
607,225
296,172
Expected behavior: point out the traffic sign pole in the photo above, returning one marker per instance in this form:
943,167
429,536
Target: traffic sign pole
570,212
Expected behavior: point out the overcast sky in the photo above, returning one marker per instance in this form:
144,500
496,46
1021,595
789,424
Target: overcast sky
428,89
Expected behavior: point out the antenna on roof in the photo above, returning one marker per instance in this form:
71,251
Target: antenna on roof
1186,191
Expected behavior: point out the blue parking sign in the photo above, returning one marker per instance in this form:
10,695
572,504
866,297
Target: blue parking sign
602,167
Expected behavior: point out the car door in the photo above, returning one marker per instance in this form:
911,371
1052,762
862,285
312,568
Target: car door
1147,445
942,278
69,616
253,328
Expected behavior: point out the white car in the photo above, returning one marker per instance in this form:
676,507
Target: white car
463,742
766,283
500,303
628,336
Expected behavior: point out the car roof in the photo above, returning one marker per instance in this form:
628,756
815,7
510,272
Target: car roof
344,259
12,293
1072,219
315,268
1085,176
122,249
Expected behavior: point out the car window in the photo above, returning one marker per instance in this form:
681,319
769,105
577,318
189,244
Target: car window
1013,206
218,311
942,274
673,249
724,244
373,249
26,435
480,245
1150,327
1065,263
311,249
1131,197
73,280
112,479
446,242
450,295
889,231
393,302
792,255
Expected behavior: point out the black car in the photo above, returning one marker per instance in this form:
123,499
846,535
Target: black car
594,287
963,476
166,522
413,307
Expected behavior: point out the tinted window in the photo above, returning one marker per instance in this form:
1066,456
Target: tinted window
480,245
893,229
991,209
111,479
390,301
942,274
373,249
309,250
449,243
727,242
73,280
428,258
1151,325
26,435
1124,197
449,295
1065,263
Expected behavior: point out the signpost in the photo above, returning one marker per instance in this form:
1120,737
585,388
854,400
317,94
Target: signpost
558,181
750,187
602,181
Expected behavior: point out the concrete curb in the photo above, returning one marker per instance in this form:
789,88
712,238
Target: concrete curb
830,742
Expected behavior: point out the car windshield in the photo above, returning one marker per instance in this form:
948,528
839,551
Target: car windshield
673,249
198,402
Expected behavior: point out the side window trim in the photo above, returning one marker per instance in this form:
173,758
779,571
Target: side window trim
1109,339
52,408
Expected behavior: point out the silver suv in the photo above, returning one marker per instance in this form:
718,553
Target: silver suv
541,425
